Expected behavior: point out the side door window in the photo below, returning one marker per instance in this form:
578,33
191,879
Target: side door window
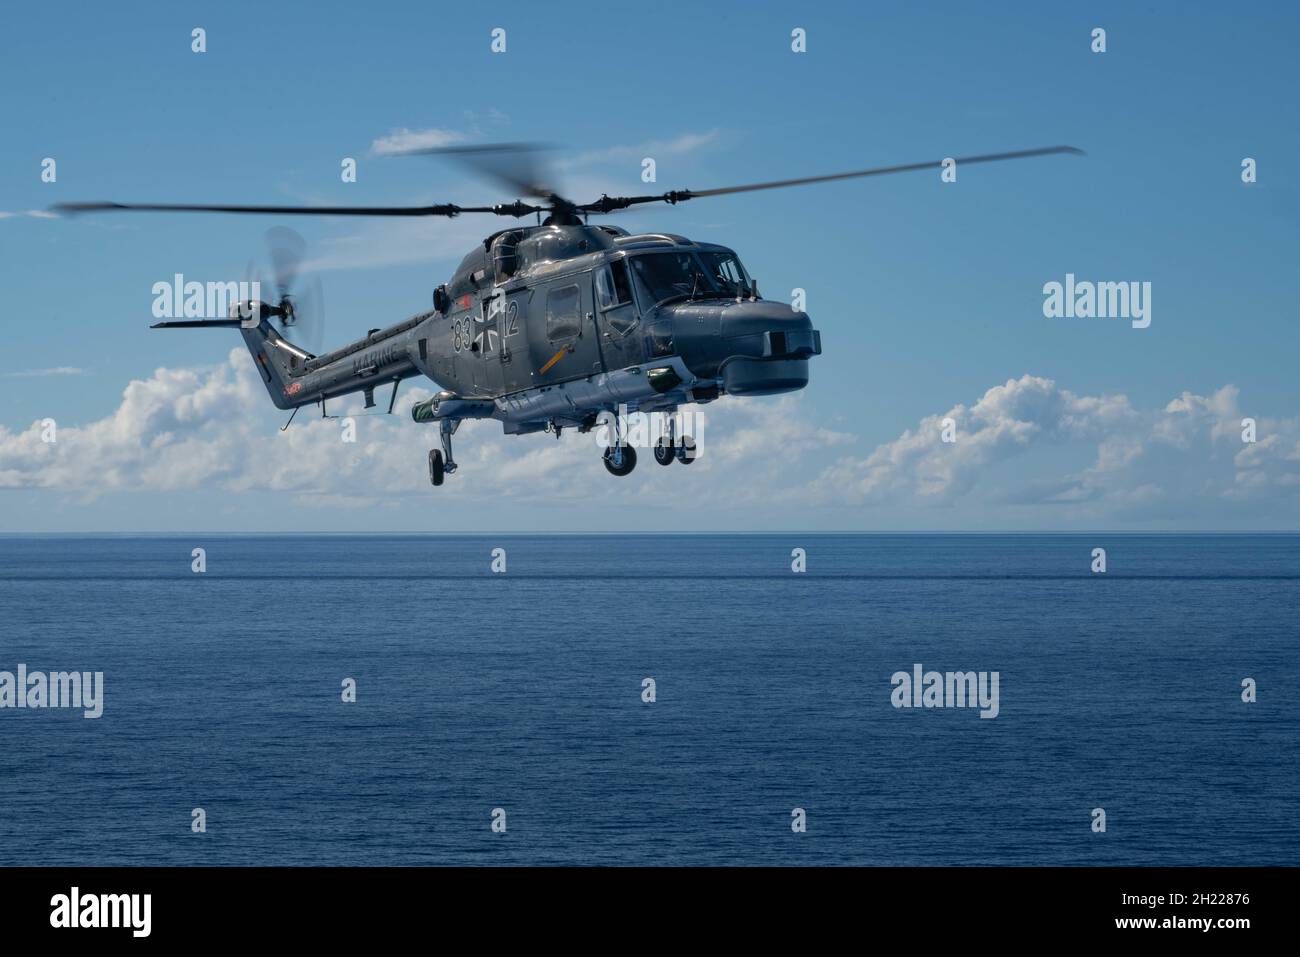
563,313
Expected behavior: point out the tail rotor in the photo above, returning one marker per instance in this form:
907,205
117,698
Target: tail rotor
300,316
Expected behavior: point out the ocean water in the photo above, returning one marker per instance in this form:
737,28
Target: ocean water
522,691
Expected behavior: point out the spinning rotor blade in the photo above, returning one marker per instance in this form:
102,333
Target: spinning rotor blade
287,249
309,310
518,166
252,274
297,309
608,204
444,209
515,165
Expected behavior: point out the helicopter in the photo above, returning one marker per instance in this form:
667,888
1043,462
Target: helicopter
552,325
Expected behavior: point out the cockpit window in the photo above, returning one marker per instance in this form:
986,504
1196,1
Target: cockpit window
667,275
664,275
726,273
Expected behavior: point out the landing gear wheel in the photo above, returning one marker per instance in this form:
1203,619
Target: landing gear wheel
436,470
627,465
686,450
664,453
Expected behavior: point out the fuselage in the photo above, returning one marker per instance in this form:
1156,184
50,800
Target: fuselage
542,326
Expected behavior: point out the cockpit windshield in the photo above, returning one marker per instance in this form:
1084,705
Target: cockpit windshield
686,275
725,272
665,275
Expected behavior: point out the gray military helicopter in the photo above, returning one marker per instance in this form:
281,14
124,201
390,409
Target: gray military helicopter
550,326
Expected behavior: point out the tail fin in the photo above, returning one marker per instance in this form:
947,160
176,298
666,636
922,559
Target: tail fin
279,362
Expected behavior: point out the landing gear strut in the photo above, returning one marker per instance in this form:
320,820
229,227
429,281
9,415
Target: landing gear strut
620,458
669,447
441,463
664,447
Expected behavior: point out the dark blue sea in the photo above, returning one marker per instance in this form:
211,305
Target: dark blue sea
523,691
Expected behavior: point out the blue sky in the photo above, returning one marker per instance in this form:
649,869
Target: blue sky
927,295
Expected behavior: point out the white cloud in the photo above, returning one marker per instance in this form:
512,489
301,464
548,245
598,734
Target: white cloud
41,373
681,145
204,428
212,428
1179,460
402,140
29,213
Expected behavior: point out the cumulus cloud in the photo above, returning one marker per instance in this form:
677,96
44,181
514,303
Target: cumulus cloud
211,428
1171,461
199,428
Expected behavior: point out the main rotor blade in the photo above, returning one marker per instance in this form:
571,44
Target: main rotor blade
609,203
525,177
445,209
518,166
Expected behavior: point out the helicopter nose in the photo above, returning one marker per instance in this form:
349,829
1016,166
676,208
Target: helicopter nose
756,348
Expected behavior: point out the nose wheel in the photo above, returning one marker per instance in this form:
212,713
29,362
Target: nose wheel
620,459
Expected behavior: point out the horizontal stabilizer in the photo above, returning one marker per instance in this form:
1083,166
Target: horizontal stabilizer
198,323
